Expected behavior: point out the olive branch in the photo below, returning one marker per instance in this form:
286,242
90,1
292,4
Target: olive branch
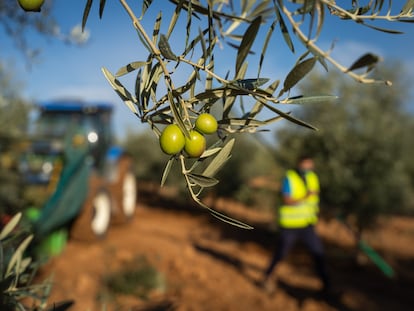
218,23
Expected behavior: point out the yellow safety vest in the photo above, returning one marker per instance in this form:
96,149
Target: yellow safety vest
305,213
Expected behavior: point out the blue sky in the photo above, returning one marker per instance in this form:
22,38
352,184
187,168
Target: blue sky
64,70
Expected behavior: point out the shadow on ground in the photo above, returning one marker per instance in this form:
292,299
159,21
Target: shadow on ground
357,287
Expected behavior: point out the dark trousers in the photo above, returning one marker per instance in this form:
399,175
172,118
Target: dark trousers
308,236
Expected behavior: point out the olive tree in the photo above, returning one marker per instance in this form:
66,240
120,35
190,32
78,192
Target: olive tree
362,148
179,79
13,122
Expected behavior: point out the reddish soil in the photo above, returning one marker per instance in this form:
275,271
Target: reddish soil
209,265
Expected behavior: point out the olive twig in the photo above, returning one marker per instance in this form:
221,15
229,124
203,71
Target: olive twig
314,49
168,81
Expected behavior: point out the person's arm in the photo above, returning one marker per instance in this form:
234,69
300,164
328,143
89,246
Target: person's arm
287,199
286,194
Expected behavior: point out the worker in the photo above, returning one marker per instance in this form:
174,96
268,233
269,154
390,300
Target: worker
297,218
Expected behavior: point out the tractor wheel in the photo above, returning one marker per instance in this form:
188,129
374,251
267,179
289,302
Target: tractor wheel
94,220
101,218
124,191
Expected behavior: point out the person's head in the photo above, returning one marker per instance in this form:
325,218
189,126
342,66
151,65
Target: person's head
305,163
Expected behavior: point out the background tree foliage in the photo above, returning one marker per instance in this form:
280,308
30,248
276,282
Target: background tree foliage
252,165
363,147
13,127
145,152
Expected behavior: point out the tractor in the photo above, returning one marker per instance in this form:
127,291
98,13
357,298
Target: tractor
76,181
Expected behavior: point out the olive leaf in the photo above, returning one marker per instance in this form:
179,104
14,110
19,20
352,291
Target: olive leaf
221,216
203,44
130,68
320,12
202,181
298,100
177,117
258,105
18,254
209,152
408,7
216,94
184,88
138,90
247,42
24,264
287,116
145,5
211,33
298,73
222,157
165,48
265,45
194,8
151,83
188,25
87,10
174,18
125,95
242,122
10,226
86,13
193,43
209,78
229,100
251,84
284,30
101,7
167,170
365,60
146,82
262,8
156,30
227,219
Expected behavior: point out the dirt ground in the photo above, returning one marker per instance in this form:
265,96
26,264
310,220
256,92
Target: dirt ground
209,265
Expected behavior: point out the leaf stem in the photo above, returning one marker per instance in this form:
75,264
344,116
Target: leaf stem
205,69
138,26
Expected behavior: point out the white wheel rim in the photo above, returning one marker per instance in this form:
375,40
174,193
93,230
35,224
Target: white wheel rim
129,195
102,213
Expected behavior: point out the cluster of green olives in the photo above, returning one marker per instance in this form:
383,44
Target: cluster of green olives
173,141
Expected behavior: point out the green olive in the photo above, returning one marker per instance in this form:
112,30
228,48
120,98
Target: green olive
206,124
31,5
195,145
172,139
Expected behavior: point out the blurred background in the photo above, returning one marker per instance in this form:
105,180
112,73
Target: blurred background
363,151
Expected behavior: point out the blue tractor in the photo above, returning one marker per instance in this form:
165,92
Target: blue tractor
76,181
